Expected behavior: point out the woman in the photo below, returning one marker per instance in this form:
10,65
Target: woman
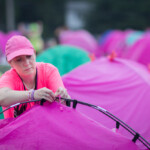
27,80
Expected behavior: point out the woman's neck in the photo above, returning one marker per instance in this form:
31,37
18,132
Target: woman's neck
29,81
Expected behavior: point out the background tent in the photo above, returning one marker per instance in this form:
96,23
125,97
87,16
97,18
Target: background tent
120,86
81,39
54,126
133,36
112,40
65,58
140,50
4,37
118,41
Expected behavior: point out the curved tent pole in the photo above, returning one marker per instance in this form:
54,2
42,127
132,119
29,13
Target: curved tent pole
18,104
119,122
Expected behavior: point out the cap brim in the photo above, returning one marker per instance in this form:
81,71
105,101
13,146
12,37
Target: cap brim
19,53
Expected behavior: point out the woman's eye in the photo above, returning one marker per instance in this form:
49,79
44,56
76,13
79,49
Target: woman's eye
18,60
29,56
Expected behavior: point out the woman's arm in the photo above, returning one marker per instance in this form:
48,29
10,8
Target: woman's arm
55,83
9,97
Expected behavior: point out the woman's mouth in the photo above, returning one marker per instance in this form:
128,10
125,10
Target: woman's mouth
28,69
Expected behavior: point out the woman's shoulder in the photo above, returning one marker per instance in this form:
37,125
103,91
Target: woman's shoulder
45,66
10,79
10,74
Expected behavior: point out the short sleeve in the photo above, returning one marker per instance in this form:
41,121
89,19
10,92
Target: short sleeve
7,80
54,80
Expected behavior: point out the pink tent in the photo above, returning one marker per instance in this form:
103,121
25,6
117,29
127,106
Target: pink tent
131,38
140,50
113,42
4,37
81,39
122,87
53,126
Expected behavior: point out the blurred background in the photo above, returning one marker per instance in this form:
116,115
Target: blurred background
97,27
95,16
94,27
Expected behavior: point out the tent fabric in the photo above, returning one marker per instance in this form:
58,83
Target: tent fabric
79,38
114,41
119,41
121,86
139,51
4,37
132,37
56,127
65,58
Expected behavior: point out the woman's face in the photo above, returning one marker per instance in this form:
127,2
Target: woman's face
25,65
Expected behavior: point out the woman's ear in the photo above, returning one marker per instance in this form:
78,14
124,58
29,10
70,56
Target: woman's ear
34,55
9,62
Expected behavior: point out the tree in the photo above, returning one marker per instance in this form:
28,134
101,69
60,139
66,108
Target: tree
50,12
110,14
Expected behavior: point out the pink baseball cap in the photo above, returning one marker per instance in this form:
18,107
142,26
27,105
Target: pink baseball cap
18,45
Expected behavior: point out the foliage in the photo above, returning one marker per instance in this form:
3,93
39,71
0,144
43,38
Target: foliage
107,14
50,12
124,14
2,15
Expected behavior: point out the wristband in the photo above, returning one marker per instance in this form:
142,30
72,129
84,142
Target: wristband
31,95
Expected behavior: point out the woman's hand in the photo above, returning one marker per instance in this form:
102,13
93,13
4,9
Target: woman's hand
62,92
44,93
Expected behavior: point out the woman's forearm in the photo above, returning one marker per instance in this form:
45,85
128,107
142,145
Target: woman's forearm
9,97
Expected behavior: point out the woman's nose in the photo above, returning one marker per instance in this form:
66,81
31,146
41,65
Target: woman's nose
26,62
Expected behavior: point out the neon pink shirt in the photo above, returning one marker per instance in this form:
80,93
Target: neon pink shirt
47,76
